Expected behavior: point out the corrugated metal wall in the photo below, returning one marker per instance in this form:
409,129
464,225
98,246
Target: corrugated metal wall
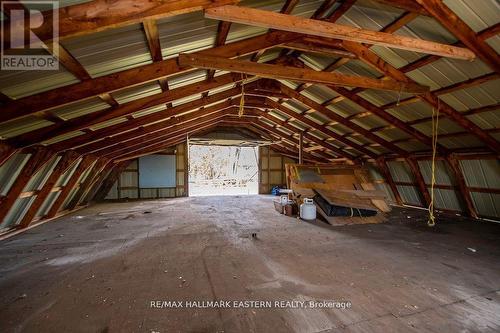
482,177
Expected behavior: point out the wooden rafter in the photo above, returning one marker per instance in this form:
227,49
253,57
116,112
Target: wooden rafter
294,74
144,133
39,156
70,184
321,128
446,17
112,82
332,115
99,15
378,63
464,191
125,109
295,24
65,162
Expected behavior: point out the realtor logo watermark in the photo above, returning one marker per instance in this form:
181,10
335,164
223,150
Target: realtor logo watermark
28,24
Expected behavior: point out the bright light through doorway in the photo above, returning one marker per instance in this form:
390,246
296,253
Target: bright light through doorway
223,170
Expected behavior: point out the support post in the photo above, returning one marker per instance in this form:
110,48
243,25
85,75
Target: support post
462,185
62,166
110,180
38,158
84,164
87,183
382,164
415,169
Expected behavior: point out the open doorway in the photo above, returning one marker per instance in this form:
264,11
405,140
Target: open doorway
223,170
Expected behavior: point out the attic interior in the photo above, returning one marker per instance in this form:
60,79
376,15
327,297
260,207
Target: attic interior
345,154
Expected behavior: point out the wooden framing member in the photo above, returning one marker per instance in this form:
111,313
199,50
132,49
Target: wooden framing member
138,122
177,136
378,63
447,18
392,120
294,73
169,128
6,152
65,162
386,173
324,144
131,77
110,180
267,19
332,115
39,156
149,131
126,109
98,15
97,168
464,191
66,190
415,169
296,143
321,128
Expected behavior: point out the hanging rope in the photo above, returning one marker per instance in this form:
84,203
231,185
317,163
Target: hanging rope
242,100
435,127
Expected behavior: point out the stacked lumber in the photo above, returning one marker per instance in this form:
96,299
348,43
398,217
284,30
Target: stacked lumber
346,187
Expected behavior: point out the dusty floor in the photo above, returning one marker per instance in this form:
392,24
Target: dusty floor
99,269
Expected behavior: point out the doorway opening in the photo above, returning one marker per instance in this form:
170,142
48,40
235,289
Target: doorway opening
223,170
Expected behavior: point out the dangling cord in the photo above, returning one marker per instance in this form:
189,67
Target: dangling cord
242,100
435,126
399,95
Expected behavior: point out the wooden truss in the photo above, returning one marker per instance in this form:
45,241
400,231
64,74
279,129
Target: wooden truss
96,156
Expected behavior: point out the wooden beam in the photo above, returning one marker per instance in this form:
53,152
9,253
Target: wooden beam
447,18
340,10
87,183
321,128
142,121
386,173
378,63
99,15
323,143
266,19
157,130
125,109
152,37
407,5
312,47
99,179
417,174
392,120
131,77
6,152
110,180
294,74
70,184
222,32
62,166
334,116
464,191
39,156
179,130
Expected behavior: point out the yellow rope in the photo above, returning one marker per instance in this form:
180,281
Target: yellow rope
242,100
435,126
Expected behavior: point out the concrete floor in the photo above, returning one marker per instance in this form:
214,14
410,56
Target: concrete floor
98,270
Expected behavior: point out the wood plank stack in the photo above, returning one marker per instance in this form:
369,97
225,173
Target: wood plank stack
347,189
